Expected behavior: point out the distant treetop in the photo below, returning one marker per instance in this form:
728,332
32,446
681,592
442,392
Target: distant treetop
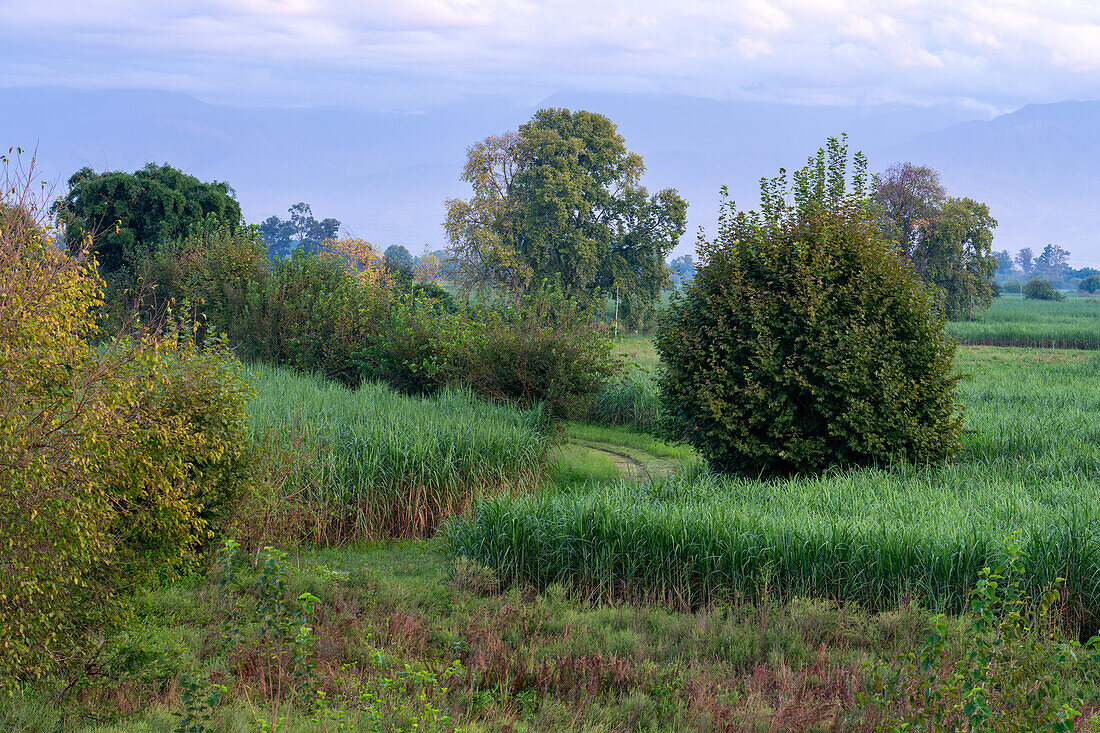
283,236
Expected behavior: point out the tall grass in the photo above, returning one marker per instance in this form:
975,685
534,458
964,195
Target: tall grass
1073,323
346,464
1030,465
629,399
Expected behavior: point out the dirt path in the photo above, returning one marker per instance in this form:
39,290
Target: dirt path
633,463
628,466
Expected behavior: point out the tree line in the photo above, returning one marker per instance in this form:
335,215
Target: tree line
561,199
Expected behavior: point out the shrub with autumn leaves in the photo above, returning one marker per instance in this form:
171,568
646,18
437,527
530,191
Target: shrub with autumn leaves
117,458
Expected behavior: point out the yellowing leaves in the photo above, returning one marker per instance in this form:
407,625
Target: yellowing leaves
108,458
360,257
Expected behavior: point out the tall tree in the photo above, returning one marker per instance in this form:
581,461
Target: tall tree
956,249
1005,266
1026,260
910,196
485,234
300,229
683,270
560,198
947,240
128,214
1052,262
398,257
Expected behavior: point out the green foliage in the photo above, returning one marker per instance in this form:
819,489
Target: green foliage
398,258
948,240
805,340
299,231
1040,289
1013,287
630,399
954,257
547,349
1090,284
211,271
696,539
369,463
877,536
199,698
561,198
1002,668
129,214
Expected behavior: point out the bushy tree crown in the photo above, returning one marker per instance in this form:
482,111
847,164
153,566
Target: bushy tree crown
806,338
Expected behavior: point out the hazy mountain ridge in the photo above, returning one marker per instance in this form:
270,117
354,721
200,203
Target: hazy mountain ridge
386,175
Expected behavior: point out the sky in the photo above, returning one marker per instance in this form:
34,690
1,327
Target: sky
409,54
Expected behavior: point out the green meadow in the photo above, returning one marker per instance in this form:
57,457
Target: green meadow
1012,320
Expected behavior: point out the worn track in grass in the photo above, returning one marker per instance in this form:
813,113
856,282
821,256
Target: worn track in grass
633,463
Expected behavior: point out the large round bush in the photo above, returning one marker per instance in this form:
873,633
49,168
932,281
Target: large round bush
806,339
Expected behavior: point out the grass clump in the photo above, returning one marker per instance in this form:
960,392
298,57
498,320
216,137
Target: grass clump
872,537
347,464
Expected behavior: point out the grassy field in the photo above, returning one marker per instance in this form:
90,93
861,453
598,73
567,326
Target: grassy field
1030,465
406,642
1073,323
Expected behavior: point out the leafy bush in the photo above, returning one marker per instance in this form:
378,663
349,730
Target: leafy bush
805,339
548,349
1040,289
116,464
1013,287
211,270
329,314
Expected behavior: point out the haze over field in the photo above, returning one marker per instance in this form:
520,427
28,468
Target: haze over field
365,111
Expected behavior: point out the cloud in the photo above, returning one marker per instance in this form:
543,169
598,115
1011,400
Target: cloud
401,52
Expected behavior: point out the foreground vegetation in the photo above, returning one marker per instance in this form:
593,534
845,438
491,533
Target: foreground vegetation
403,636
588,576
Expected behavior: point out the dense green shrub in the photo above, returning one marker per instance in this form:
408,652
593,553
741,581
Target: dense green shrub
116,464
805,339
1013,287
316,313
211,270
547,349
1039,289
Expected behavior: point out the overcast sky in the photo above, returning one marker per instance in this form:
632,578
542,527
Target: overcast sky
407,54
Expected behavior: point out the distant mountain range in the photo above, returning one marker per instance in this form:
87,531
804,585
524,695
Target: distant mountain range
386,175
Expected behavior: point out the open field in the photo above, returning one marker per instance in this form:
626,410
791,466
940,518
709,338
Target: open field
1073,323
1030,465
404,640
